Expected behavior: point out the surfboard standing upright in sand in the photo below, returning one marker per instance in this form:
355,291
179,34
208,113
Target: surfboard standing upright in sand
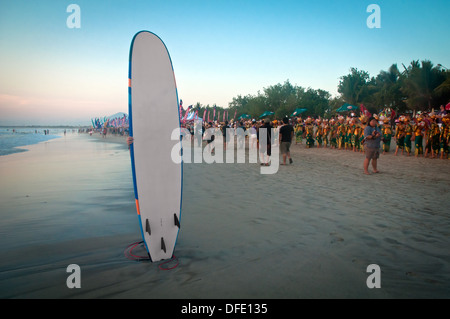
153,116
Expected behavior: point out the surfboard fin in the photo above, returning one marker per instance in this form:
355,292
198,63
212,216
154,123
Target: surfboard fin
147,227
163,245
176,220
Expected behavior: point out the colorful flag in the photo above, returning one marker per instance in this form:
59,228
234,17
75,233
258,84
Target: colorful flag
364,111
186,114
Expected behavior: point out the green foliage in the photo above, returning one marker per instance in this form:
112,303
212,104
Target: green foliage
283,99
421,86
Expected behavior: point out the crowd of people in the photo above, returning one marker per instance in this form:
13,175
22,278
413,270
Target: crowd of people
423,134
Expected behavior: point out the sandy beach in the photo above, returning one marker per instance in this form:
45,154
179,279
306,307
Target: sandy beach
308,231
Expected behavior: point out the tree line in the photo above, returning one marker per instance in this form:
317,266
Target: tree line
420,86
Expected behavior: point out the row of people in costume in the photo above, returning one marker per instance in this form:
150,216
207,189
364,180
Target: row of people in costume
348,134
420,130
340,133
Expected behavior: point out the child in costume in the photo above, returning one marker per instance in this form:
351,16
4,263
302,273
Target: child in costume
400,134
348,134
434,134
419,129
298,129
333,134
309,128
386,132
319,133
341,132
408,135
326,132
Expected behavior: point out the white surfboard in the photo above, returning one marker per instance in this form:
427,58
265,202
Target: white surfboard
153,115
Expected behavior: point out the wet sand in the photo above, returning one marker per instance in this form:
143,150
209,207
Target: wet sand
309,231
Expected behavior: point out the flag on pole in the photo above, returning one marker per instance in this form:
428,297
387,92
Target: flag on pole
186,114
364,111
393,114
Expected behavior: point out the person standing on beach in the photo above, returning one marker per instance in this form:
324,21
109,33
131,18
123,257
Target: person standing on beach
265,146
419,129
226,137
387,135
286,136
372,145
253,136
400,135
309,128
408,135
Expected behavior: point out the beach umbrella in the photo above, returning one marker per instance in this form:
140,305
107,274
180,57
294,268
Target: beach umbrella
347,107
266,113
244,116
298,111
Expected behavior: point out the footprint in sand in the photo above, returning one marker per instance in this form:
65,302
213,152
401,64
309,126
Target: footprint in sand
335,238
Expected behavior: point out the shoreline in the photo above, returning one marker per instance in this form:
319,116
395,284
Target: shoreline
110,138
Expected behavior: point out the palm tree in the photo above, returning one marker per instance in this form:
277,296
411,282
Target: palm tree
356,87
421,85
388,93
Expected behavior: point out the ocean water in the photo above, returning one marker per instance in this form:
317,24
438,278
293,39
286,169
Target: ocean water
11,138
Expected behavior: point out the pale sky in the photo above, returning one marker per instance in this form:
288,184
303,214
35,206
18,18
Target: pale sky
52,74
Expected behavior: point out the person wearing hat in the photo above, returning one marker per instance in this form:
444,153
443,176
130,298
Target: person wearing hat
326,132
341,132
309,129
333,133
298,129
387,135
399,135
408,135
372,145
357,132
433,142
319,133
419,129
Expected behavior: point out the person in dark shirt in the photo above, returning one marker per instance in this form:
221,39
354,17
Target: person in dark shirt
226,137
286,135
265,146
